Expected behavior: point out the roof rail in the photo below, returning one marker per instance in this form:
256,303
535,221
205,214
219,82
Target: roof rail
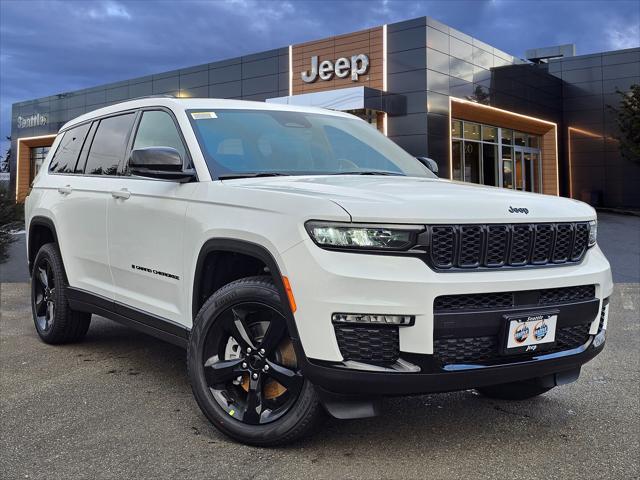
163,95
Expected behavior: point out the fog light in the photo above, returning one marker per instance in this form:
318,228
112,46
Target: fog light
372,319
599,338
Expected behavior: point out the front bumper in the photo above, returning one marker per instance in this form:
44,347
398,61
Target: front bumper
326,282
357,382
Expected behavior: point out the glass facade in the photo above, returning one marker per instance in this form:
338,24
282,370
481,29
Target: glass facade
475,158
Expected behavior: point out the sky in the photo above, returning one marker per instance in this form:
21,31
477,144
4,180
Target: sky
50,47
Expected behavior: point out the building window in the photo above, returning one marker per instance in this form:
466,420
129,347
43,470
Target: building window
471,131
38,155
456,128
495,156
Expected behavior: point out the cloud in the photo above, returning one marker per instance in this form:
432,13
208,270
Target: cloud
619,37
109,10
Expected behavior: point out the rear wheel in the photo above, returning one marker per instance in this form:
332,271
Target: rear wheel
243,368
55,321
515,390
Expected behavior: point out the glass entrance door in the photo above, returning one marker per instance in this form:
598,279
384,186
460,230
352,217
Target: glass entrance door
526,169
519,170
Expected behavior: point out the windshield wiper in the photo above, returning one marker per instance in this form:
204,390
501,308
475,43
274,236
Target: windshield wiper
369,172
231,176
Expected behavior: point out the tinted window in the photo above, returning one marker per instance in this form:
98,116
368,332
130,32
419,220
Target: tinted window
85,148
158,130
64,160
109,145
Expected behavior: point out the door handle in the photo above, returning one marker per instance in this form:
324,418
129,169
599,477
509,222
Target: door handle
66,190
123,194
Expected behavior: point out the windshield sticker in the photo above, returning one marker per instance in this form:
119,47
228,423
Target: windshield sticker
203,115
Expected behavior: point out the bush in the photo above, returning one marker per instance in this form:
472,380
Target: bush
11,218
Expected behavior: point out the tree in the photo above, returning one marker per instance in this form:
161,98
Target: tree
628,120
5,163
10,218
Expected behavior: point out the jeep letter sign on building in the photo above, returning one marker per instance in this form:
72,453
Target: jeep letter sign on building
357,65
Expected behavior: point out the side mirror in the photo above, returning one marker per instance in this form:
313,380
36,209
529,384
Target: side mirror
429,163
159,162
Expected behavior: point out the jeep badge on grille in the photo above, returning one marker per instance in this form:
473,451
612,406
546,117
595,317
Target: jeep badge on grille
518,210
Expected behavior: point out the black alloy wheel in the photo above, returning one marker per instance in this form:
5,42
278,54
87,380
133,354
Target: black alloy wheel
54,319
44,292
243,366
249,364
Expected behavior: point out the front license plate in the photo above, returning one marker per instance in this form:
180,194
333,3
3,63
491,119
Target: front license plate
531,332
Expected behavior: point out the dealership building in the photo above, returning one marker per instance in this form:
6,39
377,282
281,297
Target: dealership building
544,124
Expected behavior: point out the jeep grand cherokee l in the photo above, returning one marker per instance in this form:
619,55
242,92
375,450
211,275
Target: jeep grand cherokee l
307,262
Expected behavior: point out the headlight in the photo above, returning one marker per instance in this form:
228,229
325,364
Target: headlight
593,232
362,237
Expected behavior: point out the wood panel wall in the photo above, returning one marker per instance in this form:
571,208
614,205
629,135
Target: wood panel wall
502,118
23,163
367,41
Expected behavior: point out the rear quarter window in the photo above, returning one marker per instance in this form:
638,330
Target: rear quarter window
66,156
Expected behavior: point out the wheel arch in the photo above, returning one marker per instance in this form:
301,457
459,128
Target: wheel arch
241,247
42,230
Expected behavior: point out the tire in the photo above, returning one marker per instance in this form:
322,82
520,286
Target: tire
245,305
55,321
514,391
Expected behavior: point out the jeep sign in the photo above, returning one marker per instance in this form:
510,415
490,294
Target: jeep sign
357,65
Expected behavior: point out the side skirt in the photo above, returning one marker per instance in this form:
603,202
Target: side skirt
144,322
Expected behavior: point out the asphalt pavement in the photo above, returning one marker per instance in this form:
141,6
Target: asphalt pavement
118,405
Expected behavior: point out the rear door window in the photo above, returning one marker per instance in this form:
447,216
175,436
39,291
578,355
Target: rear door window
109,145
66,156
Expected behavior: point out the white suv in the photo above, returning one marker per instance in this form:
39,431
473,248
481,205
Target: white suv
305,260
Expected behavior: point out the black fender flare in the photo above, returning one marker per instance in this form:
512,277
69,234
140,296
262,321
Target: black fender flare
39,221
245,247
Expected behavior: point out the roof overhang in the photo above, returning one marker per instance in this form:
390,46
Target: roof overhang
353,98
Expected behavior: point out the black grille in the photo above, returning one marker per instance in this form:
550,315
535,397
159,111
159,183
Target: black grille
481,350
368,344
563,244
554,296
512,245
580,242
475,301
443,246
493,300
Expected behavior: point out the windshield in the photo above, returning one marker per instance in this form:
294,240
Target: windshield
238,143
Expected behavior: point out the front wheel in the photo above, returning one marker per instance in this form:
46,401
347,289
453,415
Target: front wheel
243,368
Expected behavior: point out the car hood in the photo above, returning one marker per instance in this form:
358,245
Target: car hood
423,200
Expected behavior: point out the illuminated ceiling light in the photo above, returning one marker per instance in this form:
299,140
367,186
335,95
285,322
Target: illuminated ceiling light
495,109
384,57
450,146
290,70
